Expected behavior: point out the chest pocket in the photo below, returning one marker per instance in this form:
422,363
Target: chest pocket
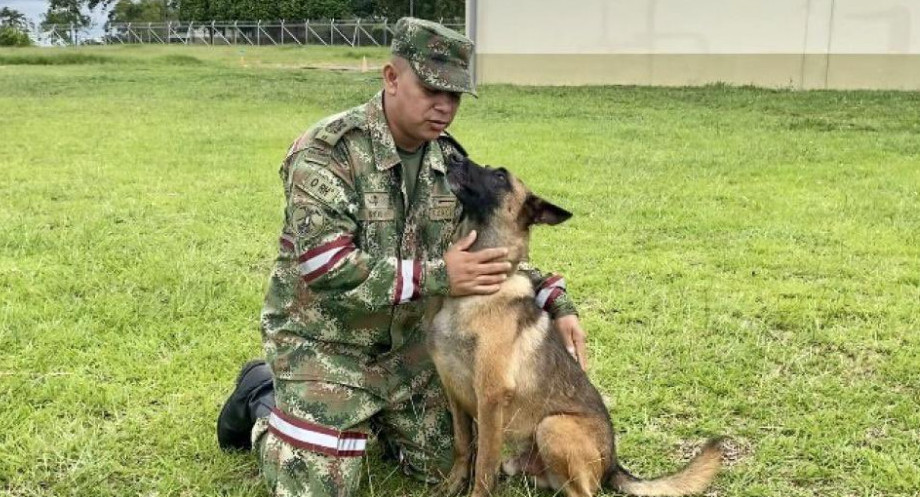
442,214
377,218
442,208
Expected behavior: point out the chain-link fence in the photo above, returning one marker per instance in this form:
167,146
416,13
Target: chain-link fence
356,32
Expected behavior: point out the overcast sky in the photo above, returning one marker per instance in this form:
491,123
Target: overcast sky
35,9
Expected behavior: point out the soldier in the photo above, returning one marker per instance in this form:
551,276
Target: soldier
366,238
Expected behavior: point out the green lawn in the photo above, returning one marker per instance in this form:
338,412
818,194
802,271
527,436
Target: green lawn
747,262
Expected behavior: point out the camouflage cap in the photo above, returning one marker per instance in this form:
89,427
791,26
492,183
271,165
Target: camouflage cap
438,55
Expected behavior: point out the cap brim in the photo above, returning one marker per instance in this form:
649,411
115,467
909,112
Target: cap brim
444,76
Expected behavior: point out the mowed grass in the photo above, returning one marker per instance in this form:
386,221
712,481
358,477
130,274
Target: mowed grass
747,263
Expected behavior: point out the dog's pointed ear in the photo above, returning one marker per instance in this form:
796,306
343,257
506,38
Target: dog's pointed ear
543,212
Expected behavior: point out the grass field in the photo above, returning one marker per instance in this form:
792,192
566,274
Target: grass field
747,262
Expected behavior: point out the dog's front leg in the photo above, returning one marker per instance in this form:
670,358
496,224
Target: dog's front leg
490,436
458,478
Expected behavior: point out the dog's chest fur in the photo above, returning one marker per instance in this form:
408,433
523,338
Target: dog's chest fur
467,330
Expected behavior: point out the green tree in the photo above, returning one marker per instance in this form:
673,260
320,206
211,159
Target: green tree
141,11
14,28
66,12
425,9
13,19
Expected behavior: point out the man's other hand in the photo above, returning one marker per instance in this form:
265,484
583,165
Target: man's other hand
475,273
573,337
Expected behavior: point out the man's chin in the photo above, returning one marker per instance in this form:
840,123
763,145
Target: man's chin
431,134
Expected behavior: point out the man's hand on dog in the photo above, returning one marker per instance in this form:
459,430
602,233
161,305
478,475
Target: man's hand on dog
573,337
475,273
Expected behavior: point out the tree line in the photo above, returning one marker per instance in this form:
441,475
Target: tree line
14,28
76,11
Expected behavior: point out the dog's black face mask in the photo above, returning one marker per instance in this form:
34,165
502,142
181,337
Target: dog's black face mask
494,197
479,189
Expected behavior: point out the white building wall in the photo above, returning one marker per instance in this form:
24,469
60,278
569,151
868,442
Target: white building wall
811,43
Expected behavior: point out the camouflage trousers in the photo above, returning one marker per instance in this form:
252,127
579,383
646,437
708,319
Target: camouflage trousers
313,444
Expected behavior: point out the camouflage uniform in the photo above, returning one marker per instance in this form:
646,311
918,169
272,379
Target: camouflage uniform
341,318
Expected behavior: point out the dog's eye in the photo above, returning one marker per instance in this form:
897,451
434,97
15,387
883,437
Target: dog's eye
501,175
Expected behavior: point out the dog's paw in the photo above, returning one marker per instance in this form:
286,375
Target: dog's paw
512,466
457,482
453,486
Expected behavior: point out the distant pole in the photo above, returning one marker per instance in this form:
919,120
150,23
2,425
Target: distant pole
411,8
472,31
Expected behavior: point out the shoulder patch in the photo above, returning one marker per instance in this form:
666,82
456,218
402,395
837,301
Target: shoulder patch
452,143
319,153
307,219
337,126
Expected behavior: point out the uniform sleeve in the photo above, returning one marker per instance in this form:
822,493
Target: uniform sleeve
434,278
321,227
551,295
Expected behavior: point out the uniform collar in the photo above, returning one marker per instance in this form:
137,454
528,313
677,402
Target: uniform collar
435,157
385,155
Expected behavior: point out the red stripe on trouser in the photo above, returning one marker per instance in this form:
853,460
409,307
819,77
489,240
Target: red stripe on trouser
316,438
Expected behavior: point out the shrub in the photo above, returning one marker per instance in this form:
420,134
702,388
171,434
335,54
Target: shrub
13,37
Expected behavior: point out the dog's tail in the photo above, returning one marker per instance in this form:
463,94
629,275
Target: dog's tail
693,479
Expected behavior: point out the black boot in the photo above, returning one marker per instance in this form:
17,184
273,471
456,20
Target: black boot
253,398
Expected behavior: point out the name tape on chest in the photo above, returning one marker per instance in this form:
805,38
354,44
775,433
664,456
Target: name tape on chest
377,207
442,207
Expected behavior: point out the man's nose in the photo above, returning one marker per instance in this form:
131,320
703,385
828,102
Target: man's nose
445,102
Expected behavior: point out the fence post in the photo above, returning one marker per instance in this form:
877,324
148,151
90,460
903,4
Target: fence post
73,35
306,32
259,32
282,31
385,33
332,31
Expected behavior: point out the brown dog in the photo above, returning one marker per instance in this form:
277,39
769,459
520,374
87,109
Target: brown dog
503,365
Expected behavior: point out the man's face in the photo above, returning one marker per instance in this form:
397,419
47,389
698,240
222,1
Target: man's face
418,113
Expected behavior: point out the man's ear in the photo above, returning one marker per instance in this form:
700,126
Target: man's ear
546,212
390,75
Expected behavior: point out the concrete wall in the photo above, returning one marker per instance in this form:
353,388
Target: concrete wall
777,43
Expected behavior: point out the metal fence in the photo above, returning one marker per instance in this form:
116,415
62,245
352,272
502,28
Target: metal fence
356,32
